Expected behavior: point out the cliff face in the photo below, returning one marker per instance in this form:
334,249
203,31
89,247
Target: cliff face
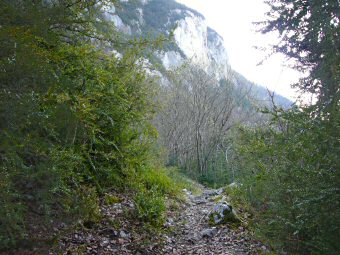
199,43
193,39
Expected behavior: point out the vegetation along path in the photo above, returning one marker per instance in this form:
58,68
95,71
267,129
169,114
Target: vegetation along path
187,230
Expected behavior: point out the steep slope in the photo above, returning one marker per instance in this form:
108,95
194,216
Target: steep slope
193,39
259,93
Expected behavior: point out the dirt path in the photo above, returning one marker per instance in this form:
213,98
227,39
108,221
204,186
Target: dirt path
193,235
187,231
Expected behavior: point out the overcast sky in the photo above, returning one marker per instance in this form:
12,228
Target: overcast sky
232,19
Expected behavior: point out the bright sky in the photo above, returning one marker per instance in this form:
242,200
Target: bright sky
232,19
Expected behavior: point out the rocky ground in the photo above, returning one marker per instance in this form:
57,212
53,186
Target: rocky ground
194,234
186,231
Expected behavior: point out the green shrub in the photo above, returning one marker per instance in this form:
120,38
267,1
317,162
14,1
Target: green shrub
291,179
157,178
111,199
84,204
183,182
11,215
74,120
150,206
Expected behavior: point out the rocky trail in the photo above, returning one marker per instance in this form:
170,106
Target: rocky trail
194,234
186,231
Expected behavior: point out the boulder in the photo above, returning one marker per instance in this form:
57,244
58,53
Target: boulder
223,213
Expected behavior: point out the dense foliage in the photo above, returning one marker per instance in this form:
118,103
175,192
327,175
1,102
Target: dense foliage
290,170
74,120
291,179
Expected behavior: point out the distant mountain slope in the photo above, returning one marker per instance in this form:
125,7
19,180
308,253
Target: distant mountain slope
193,39
260,93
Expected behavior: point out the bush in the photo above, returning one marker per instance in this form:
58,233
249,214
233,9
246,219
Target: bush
183,182
150,206
291,180
74,120
158,179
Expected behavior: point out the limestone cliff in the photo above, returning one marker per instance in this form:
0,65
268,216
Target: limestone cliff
193,39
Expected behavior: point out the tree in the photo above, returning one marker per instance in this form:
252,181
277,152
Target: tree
74,120
310,35
291,169
198,114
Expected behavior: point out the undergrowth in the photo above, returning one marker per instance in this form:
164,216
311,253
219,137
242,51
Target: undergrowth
153,187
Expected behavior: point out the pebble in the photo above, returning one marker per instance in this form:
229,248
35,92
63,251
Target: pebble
209,232
124,234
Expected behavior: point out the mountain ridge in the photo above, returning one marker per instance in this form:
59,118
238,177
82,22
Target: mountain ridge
193,39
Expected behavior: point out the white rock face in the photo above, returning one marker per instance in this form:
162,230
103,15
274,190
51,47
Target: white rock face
196,41
191,37
200,44
108,9
141,14
171,59
108,12
218,55
120,25
217,50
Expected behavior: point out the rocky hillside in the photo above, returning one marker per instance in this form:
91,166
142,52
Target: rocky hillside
193,39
